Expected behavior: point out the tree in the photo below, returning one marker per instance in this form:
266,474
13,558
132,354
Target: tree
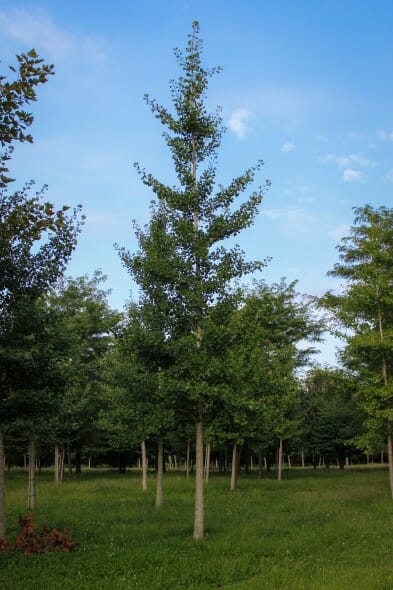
182,265
331,417
365,310
36,241
14,119
86,326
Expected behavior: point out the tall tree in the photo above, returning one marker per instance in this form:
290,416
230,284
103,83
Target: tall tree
365,309
36,240
182,265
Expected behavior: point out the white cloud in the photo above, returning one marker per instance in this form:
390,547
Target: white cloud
292,216
237,122
350,175
346,161
288,147
385,135
36,29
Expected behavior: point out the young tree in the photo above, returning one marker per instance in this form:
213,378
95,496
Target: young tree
365,309
182,265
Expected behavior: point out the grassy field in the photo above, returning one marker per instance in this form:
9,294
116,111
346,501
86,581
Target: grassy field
322,531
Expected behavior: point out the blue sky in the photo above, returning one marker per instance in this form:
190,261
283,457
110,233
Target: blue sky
306,86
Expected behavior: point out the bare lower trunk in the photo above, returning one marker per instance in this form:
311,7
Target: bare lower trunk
57,464
207,462
302,456
144,466
234,470
188,460
160,470
390,458
3,527
199,507
31,494
279,469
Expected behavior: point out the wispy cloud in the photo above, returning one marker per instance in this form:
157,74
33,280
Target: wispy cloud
385,135
237,122
389,175
292,218
287,147
350,175
346,161
36,29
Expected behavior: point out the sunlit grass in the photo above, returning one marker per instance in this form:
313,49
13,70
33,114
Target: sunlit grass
323,530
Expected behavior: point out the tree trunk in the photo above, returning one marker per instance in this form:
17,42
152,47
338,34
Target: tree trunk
144,466
188,460
279,468
302,458
199,506
31,494
234,470
160,470
3,527
57,464
207,462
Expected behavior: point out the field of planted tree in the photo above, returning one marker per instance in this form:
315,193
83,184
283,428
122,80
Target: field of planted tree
315,530
215,453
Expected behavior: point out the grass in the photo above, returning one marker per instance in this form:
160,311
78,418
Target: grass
328,530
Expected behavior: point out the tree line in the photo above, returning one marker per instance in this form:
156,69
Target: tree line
203,365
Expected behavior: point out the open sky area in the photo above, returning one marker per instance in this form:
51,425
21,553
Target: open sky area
306,86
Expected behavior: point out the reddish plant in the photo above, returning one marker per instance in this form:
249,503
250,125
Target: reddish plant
30,541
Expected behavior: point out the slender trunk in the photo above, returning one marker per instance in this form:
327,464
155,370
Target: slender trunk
89,463
188,460
279,469
207,462
289,462
302,458
234,470
251,463
3,527
144,466
199,507
62,462
31,495
57,464
160,470
382,458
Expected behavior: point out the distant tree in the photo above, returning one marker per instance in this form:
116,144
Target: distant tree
182,265
365,310
331,418
86,326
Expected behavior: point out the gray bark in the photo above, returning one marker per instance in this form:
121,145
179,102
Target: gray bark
280,454
199,503
234,469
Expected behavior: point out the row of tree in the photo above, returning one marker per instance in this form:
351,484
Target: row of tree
199,355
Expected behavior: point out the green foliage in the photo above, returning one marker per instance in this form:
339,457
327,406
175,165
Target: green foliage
14,95
365,309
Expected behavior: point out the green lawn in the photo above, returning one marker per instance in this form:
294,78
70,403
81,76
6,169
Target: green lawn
322,531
